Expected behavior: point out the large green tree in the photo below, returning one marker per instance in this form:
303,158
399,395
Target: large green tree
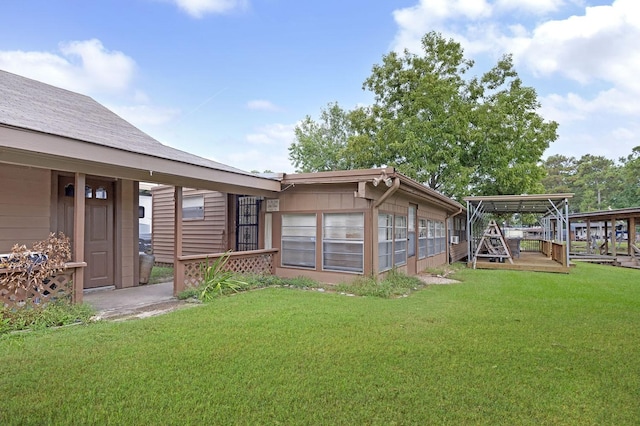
459,136
560,174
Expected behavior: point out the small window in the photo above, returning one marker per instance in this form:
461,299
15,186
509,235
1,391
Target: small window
298,246
193,207
343,242
88,192
69,190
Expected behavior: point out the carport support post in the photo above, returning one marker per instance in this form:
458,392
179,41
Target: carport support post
78,235
178,267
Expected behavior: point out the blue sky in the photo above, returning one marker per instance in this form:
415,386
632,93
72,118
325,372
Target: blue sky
229,79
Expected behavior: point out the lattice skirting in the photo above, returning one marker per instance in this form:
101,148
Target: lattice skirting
55,288
261,264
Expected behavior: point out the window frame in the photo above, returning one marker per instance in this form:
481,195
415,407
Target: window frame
342,235
196,210
309,239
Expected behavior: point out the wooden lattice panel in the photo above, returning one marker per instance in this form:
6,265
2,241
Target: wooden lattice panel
257,264
251,265
56,287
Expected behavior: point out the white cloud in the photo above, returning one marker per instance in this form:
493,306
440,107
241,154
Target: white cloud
273,134
89,68
270,150
82,66
262,105
199,8
584,62
599,44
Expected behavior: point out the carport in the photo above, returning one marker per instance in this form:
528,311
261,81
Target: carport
488,248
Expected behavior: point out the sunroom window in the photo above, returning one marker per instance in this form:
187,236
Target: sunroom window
299,240
343,242
422,238
385,242
400,240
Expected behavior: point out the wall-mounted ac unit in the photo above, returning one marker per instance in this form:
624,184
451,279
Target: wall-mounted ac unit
455,239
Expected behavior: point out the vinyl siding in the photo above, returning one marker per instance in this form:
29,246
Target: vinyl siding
24,205
200,236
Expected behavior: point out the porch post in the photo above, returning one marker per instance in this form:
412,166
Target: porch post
567,230
178,268
78,235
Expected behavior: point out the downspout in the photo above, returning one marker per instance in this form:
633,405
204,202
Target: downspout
394,187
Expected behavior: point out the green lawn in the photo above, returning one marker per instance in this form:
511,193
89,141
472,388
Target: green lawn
501,348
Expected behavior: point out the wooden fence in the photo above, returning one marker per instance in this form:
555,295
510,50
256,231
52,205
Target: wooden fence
59,286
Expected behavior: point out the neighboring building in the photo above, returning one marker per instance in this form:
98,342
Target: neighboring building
69,164
330,226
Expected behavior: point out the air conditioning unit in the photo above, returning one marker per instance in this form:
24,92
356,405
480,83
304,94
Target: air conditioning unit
455,239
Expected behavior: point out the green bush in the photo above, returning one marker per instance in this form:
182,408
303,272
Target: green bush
394,284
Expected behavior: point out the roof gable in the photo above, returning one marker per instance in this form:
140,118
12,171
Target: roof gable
32,105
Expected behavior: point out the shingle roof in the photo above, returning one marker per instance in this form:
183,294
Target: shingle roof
30,104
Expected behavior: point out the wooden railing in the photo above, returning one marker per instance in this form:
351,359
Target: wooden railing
59,286
555,251
188,269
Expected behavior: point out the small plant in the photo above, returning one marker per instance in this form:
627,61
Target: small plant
57,313
217,279
394,284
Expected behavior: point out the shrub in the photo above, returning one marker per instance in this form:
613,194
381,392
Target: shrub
28,269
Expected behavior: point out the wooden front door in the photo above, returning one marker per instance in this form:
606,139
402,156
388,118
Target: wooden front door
98,245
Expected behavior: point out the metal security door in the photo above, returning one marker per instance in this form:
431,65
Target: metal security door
247,214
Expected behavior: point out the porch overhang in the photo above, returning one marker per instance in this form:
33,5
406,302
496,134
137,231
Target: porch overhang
35,149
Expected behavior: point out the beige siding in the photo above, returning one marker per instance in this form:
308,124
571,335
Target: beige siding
208,235
126,246
24,205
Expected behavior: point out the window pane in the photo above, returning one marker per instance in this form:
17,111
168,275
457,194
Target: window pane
385,242
400,240
299,240
193,207
422,238
343,242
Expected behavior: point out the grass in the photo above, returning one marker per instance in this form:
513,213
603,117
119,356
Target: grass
39,317
161,274
503,347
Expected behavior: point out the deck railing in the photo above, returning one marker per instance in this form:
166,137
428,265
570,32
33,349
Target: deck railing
56,287
189,268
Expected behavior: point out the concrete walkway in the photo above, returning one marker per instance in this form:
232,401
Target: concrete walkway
138,302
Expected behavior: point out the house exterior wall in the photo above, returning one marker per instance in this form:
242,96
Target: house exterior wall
200,236
398,205
345,198
25,205
319,199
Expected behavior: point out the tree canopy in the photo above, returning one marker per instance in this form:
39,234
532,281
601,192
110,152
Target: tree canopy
475,136
598,183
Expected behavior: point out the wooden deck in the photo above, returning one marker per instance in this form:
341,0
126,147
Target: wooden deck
528,261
